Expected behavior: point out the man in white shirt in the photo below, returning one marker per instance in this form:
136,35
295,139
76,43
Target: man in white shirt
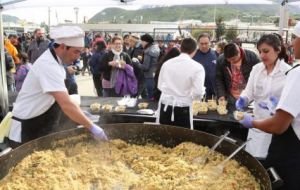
284,151
37,108
181,80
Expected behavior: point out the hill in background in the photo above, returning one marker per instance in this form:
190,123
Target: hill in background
9,18
205,13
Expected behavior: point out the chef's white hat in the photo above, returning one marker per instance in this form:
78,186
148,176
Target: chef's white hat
296,30
69,35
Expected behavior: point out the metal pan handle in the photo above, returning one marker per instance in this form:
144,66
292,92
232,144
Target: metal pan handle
275,178
5,151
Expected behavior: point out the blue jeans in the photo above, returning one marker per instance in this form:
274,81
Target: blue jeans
11,88
149,83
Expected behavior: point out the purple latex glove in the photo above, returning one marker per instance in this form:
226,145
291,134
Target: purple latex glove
274,100
98,132
247,121
241,103
264,105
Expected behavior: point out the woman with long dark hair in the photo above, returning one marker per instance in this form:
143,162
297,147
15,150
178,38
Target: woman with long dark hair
264,87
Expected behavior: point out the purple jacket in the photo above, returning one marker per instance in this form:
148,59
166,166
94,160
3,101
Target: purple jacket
126,83
21,74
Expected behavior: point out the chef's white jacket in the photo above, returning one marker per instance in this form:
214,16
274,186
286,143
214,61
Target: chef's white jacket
290,98
259,88
181,79
46,75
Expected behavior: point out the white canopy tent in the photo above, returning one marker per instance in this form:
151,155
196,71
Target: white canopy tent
15,4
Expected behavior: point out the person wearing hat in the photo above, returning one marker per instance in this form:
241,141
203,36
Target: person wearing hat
284,150
148,63
43,95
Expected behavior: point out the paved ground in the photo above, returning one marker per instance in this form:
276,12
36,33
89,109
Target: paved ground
85,85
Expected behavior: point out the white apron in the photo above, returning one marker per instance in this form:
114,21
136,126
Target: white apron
175,101
259,145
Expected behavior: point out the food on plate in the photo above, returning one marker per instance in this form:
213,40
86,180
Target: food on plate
95,107
119,165
222,102
238,115
203,108
222,110
107,107
199,107
143,105
140,58
120,108
212,104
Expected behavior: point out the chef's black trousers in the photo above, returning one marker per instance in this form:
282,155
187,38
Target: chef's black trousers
284,156
181,116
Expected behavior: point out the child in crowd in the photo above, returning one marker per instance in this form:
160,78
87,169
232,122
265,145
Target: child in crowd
22,70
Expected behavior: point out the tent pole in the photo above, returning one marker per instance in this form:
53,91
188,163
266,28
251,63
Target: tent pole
3,83
283,17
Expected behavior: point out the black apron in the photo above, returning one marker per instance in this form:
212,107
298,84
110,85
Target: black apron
41,125
284,156
181,116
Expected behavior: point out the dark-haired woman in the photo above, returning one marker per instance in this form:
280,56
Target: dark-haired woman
264,87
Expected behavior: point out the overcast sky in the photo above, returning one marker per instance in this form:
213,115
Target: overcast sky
39,13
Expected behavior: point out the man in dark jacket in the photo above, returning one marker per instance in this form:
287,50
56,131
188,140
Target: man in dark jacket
37,46
232,72
208,58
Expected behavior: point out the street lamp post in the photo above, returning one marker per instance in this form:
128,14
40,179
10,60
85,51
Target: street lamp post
76,9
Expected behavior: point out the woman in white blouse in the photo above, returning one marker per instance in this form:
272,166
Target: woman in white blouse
266,81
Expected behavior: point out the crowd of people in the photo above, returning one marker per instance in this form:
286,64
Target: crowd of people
102,54
174,74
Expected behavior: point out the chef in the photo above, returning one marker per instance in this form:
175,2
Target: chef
43,95
181,80
284,151
266,81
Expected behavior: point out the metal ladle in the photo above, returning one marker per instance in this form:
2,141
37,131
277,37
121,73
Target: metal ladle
218,170
203,159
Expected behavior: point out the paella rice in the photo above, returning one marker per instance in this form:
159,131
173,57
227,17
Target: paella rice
118,165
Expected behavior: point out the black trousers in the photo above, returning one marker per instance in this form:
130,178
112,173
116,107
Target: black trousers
39,126
98,84
284,156
72,88
181,116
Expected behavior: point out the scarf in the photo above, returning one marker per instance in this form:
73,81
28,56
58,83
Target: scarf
114,71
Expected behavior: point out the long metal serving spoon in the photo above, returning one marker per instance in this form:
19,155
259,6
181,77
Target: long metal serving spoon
203,159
